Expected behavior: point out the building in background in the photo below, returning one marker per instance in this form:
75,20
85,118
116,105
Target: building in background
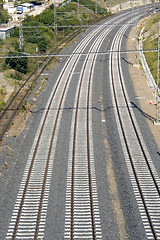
5,31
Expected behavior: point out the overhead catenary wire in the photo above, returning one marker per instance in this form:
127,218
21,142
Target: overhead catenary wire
75,53
75,26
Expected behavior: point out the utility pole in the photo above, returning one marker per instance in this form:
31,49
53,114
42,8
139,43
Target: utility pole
131,3
157,97
55,18
37,59
110,6
154,6
20,33
78,10
96,6
145,8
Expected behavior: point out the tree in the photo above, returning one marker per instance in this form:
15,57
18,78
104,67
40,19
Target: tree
4,17
18,63
42,45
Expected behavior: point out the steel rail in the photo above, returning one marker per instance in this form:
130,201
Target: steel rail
48,158
22,195
55,50
53,134
131,161
88,145
97,43
84,54
48,59
71,231
46,168
144,154
73,158
13,110
119,40
83,44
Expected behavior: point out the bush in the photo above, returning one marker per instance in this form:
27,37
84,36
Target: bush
46,17
4,17
91,5
2,105
16,75
42,45
40,41
18,63
15,32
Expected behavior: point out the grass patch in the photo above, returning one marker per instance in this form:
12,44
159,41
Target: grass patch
2,105
153,20
151,43
23,108
44,39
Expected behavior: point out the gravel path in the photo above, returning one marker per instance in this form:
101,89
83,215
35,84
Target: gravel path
144,93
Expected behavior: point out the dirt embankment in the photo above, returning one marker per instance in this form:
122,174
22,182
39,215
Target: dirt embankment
144,93
6,88
130,4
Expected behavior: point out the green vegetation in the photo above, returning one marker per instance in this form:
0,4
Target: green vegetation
2,105
24,105
149,24
39,37
119,1
151,42
4,17
100,2
39,32
2,91
2,95
18,63
91,5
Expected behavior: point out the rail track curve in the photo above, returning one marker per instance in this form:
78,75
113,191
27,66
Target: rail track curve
82,214
32,199
143,174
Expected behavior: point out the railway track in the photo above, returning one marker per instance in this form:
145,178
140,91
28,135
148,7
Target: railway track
32,198
82,217
143,175
29,214
7,115
82,211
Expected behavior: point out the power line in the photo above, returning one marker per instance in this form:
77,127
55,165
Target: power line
76,53
74,26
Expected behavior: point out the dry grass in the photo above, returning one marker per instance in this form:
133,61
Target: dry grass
151,42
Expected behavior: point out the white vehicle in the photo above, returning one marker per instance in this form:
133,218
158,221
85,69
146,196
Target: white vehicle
19,9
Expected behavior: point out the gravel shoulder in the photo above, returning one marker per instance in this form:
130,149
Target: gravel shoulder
145,95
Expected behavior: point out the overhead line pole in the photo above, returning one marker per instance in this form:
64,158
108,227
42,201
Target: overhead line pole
20,33
110,6
55,19
157,98
78,10
154,7
96,6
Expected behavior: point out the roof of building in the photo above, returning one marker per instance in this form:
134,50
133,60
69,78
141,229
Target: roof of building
5,28
27,4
